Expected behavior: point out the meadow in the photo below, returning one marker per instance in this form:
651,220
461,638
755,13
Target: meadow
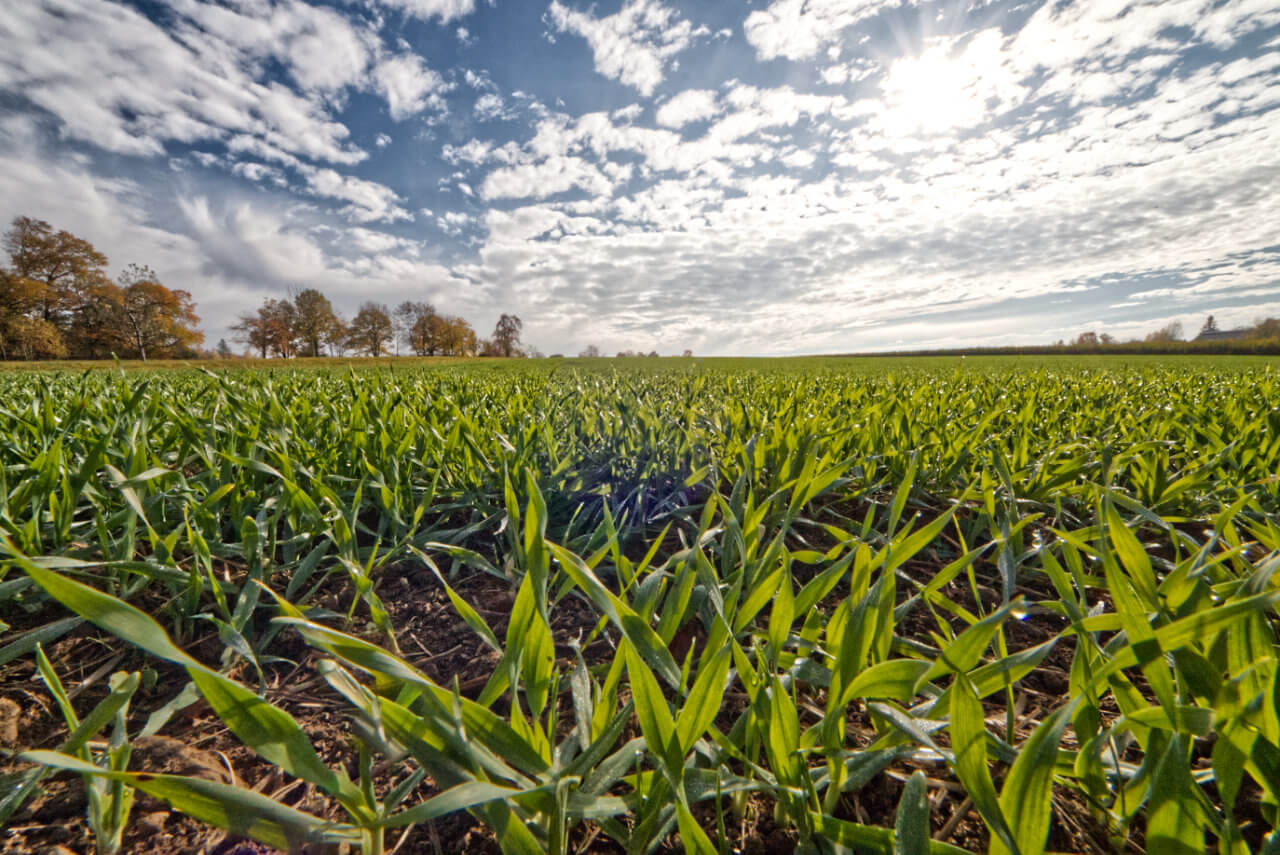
1005,604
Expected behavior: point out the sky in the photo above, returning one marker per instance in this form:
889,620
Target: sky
772,177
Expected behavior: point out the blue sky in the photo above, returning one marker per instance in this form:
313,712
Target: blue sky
768,177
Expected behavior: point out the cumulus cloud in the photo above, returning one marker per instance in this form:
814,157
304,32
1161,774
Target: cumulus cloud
490,106
977,171
691,105
798,29
115,79
408,85
633,45
368,201
548,177
1018,179
442,10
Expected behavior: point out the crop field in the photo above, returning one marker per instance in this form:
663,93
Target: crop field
634,606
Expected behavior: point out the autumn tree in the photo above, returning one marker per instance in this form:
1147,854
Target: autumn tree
26,337
66,266
338,336
415,326
371,329
55,299
95,326
1167,333
251,331
270,330
19,298
435,333
313,319
1267,328
506,335
458,338
155,320
281,318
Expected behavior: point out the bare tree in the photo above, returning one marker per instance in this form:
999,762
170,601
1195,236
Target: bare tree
506,334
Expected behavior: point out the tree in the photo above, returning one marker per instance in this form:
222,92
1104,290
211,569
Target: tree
433,334
506,334
590,352
1268,328
64,264
688,354
281,319
416,327
270,330
251,330
457,338
1169,332
1107,338
98,326
19,297
338,336
371,329
31,338
313,318
155,320
1210,326
223,349
1086,339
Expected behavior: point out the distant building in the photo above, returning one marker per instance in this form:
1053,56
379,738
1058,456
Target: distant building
1223,335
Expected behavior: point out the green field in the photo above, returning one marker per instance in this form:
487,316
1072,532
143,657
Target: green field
1008,604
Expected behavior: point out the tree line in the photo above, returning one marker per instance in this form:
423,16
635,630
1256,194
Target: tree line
57,301
308,325
1265,330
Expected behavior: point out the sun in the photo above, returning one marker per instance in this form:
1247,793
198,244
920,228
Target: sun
943,88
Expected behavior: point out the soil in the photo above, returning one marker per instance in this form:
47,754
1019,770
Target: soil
433,637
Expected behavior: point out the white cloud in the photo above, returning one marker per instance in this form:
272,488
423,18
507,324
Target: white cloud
627,114
547,178
408,85
799,159
453,222
116,80
798,29
444,10
259,172
882,198
490,106
368,200
632,45
691,105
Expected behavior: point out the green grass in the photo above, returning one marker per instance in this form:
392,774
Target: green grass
878,557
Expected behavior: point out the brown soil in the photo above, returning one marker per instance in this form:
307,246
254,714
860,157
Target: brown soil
434,638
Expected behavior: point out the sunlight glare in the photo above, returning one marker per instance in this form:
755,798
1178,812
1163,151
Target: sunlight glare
941,90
